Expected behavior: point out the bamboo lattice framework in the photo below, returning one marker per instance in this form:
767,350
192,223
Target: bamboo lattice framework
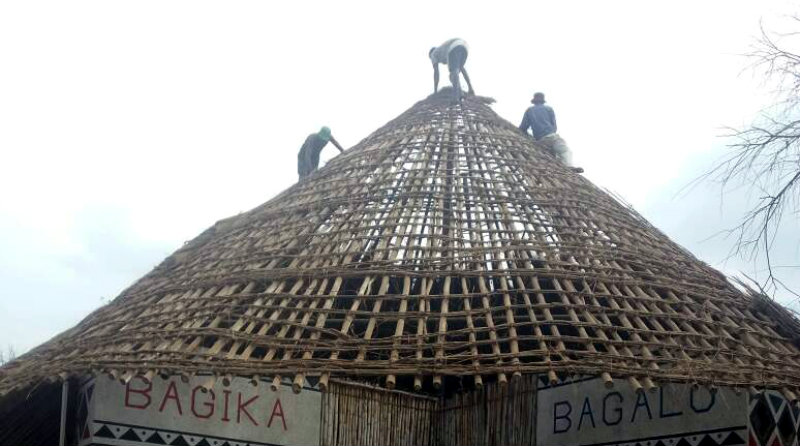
446,243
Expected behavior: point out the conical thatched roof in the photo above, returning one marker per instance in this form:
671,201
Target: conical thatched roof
445,243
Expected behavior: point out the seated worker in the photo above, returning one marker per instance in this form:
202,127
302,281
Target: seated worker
541,119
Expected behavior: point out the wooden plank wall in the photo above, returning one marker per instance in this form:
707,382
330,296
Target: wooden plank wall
494,415
361,415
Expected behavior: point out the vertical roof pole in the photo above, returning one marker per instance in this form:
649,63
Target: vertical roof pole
63,432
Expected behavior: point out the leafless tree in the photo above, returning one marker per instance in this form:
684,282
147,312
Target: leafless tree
8,355
766,155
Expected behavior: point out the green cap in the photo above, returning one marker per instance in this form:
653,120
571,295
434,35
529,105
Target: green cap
324,134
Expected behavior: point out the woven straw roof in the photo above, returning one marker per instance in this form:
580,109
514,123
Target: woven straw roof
445,243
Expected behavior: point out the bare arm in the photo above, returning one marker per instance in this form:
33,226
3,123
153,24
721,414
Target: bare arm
336,144
466,78
435,77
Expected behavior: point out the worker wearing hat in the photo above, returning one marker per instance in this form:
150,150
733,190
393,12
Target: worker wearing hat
308,157
541,119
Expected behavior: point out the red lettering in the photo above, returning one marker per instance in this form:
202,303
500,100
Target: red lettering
225,414
208,404
145,392
243,408
171,394
277,409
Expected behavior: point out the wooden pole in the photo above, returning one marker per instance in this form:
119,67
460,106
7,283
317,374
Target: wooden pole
62,435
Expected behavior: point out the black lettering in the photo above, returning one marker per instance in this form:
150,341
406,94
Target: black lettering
641,400
587,410
661,412
564,416
702,409
617,409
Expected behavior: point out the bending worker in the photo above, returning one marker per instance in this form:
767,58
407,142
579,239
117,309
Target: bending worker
541,119
308,158
452,53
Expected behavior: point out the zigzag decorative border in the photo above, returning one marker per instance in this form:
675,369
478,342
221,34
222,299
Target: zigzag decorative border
724,437
118,434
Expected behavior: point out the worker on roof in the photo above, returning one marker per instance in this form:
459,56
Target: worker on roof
541,119
452,53
308,158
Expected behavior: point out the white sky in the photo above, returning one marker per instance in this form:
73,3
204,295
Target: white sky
126,128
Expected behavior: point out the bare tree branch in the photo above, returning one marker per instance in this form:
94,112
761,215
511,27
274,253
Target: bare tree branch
766,156
7,356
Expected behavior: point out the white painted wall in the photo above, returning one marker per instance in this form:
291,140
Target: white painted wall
588,413
240,412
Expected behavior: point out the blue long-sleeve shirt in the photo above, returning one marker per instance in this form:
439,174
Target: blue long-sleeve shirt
541,119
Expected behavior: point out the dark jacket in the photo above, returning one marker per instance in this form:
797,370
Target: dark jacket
541,119
308,158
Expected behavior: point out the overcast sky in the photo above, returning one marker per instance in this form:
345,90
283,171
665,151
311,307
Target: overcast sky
127,128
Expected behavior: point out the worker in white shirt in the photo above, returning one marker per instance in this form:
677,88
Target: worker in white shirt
452,53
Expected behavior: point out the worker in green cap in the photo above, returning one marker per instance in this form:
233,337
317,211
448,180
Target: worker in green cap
308,158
